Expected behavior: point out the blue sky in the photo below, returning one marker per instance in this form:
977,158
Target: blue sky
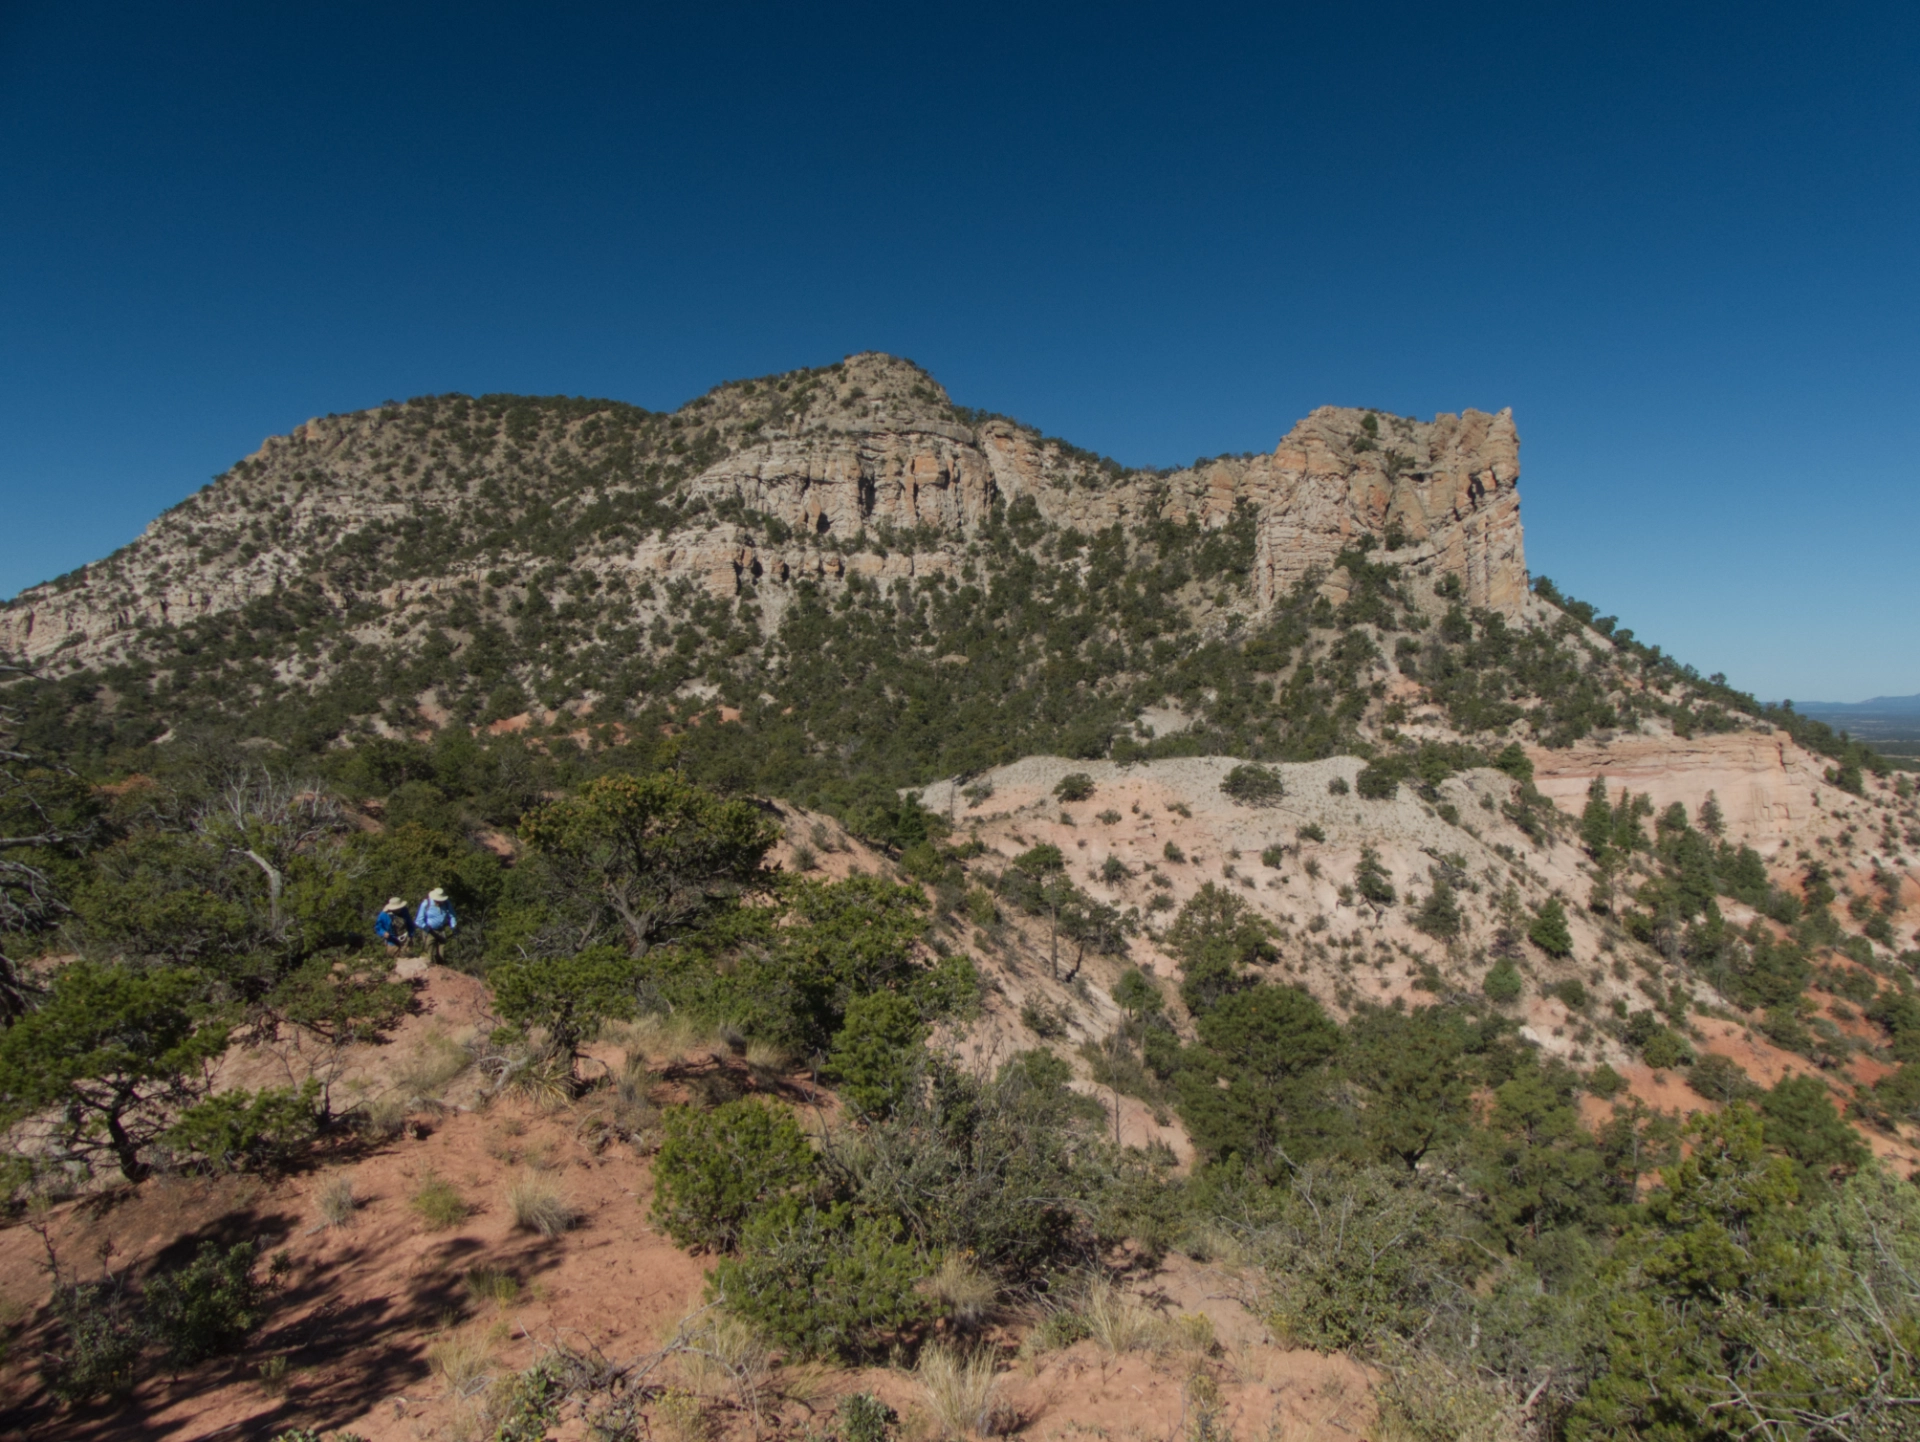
1680,241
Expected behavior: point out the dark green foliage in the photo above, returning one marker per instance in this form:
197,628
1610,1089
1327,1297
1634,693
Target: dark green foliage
716,1169
1537,1167
996,1168
1216,936
1358,1256
1604,1082
1735,1309
1572,991
1411,1069
863,1417
115,1051
1801,1121
99,1353
878,1052
1251,785
531,1403
823,1281
788,972
1439,915
1380,780
1720,1079
1269,1044
641,858
1549,931
240,1129
1502,983
1075,786
210,1306
1372,880
1137,997
568,996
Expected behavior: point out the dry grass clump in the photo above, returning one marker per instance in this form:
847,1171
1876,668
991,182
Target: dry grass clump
438,1203
959,1387
766,1056
723,1355
1116,1321
681,1417
537,1204
463,1360
494,1285
386,1115
435,1061
337,1203
667,1038
967,1293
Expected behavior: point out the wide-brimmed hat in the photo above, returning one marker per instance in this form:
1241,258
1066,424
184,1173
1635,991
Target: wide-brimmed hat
395,903
437,894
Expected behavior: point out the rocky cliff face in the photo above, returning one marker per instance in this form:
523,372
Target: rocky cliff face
864,468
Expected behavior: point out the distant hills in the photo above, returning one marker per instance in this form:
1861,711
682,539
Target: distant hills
1890,724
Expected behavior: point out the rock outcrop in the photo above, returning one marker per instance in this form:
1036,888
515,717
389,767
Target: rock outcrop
864,468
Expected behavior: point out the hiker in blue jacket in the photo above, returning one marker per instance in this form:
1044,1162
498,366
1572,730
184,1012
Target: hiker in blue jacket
393,926
436,922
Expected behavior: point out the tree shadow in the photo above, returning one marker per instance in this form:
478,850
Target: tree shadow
341,1354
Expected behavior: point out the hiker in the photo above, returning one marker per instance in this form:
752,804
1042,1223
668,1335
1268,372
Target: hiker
393,926
436,922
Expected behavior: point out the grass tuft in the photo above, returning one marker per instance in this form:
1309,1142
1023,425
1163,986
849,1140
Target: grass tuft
438,1203
463,1361
959,1387
337,1203
967,1293
537,1204
1116,1321
491,1284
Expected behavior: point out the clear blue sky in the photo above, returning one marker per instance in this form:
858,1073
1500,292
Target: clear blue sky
1682,242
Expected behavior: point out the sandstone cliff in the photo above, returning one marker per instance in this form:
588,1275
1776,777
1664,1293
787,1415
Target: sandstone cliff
860,469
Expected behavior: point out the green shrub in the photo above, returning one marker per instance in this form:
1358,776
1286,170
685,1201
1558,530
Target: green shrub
717,1169
101,1355
876,1055
1076,786
863,1417
1356,1256
239,1129
1273,855
1439,915
1373,880
1603,1082
1571,991
1802,1121
1720,1079
211,1305
1338,786
1665,1049
1251,785
1380,780
821,1280
1502,983
1549,930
